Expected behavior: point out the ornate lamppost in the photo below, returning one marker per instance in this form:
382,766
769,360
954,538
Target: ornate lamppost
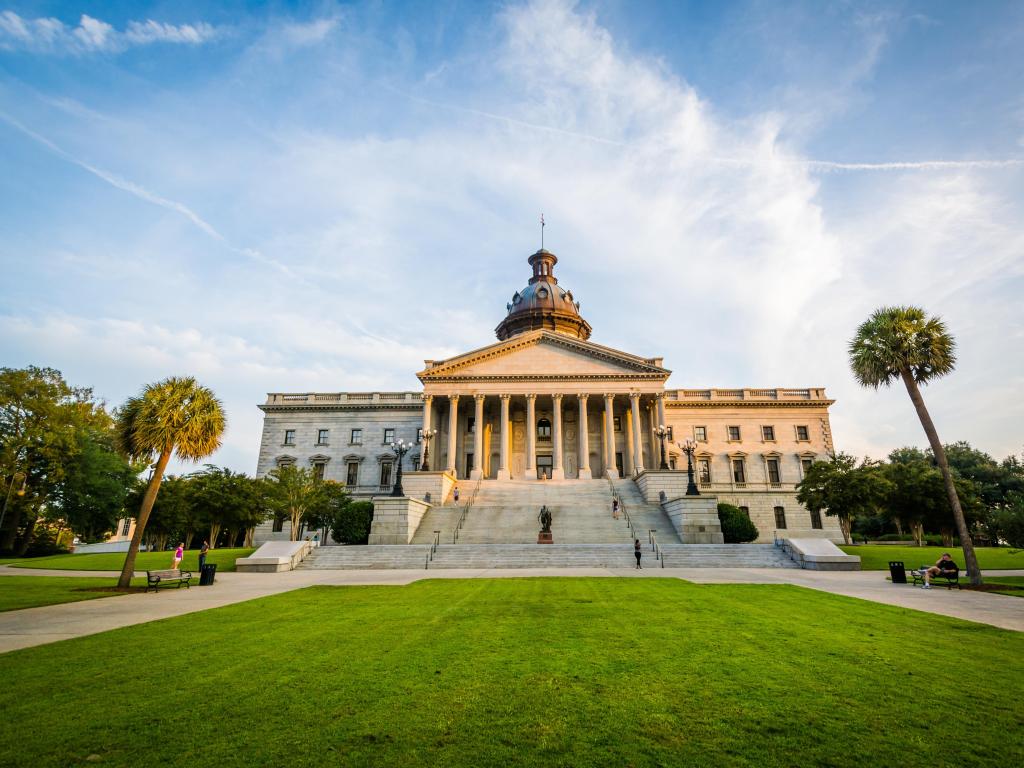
688,447
400,448
662,432
426,437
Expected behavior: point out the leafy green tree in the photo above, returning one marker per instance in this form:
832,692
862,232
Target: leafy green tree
177,416
737,528
92,493
295,492
904,343
225,499
1008,521
843,488
352,524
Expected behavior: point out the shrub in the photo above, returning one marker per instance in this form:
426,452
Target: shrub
736,526
352,523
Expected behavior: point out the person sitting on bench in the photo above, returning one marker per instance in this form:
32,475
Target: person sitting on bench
944,566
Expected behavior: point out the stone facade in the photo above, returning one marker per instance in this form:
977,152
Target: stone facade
546,402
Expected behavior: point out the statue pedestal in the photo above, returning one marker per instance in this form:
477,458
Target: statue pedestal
544,538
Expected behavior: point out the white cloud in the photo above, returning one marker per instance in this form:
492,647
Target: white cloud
49,35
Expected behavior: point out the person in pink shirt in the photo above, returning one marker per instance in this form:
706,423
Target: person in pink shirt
178,554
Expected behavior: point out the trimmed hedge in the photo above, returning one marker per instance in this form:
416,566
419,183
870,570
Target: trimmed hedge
737,528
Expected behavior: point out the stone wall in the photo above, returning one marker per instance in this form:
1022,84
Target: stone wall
395,519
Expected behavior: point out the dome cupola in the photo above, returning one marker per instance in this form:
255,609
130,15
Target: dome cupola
543,305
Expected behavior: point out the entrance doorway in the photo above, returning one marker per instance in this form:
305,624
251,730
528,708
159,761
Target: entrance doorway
469,464
544,464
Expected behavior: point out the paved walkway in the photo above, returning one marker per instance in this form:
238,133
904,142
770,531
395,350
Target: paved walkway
47,624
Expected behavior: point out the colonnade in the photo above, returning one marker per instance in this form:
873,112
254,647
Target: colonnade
637,421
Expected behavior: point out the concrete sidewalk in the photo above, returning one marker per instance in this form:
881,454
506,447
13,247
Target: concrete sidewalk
47,624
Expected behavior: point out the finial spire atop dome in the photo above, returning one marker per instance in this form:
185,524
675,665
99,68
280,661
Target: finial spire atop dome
543,304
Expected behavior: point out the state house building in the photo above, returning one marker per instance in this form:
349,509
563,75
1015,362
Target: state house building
546,404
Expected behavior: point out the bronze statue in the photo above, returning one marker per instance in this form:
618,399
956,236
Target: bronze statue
545,519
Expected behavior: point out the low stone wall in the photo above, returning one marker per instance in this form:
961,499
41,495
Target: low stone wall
695,519
653,482
274,557
417,485
395,519
820,555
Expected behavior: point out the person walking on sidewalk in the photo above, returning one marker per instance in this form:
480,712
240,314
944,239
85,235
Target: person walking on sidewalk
202,555
638,552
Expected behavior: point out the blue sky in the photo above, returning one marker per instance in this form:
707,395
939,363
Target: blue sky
297,197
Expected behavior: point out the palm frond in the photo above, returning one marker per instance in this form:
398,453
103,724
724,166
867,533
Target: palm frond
895,339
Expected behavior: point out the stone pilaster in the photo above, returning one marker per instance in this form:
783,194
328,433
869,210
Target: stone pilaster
478,438
638,451
453,431
609,429
557,471
428,404
531,438
505,437
584,449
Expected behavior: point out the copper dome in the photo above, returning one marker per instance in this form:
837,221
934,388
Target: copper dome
543,304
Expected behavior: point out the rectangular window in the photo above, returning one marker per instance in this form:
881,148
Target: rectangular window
321,436
805,464
734,434
704,470
618,423
126,527
671,439
768,434
352,476
780,518
773,471
356,437
415,463
389,436
700,434
318,470
745,511
816,520
738,474
471,424
803,434
289,437
385,474
278,525
419,434
672,463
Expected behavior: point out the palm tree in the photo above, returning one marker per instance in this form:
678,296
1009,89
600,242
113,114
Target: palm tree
904,343
175,415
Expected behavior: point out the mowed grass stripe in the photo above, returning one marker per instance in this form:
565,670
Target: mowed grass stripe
524,671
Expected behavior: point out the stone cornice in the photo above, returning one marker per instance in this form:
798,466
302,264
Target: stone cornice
748,403
416,407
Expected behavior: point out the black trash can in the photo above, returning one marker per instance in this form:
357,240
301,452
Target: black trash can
206,574
896,570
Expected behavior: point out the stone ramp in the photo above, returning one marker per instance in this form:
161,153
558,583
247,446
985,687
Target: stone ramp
505,512
370,556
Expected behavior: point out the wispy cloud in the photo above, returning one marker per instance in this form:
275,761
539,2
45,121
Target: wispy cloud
50,35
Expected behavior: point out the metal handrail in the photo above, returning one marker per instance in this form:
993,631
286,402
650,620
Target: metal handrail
465,512
433,547
622,508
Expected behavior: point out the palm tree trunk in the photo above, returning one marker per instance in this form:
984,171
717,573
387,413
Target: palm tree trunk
970,559
140,525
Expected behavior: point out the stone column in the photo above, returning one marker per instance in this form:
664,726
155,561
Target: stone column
453,431
661,411
557,471
428,403
610,469
505,437
652,417
584,457
630,462
531,437
638,449
478,439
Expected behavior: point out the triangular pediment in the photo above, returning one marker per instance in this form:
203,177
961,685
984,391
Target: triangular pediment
543,354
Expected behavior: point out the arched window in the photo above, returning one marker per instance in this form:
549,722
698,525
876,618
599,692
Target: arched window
544,429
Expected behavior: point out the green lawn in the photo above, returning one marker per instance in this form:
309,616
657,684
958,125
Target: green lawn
18,592
113,561
876,557
1014,581
538,672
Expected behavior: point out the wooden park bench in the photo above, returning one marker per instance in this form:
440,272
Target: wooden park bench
157,579
948,578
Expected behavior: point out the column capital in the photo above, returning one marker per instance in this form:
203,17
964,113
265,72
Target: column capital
505,397
634,396
583,396
531,396
556,397
426,398
609,396
453,398
479,397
